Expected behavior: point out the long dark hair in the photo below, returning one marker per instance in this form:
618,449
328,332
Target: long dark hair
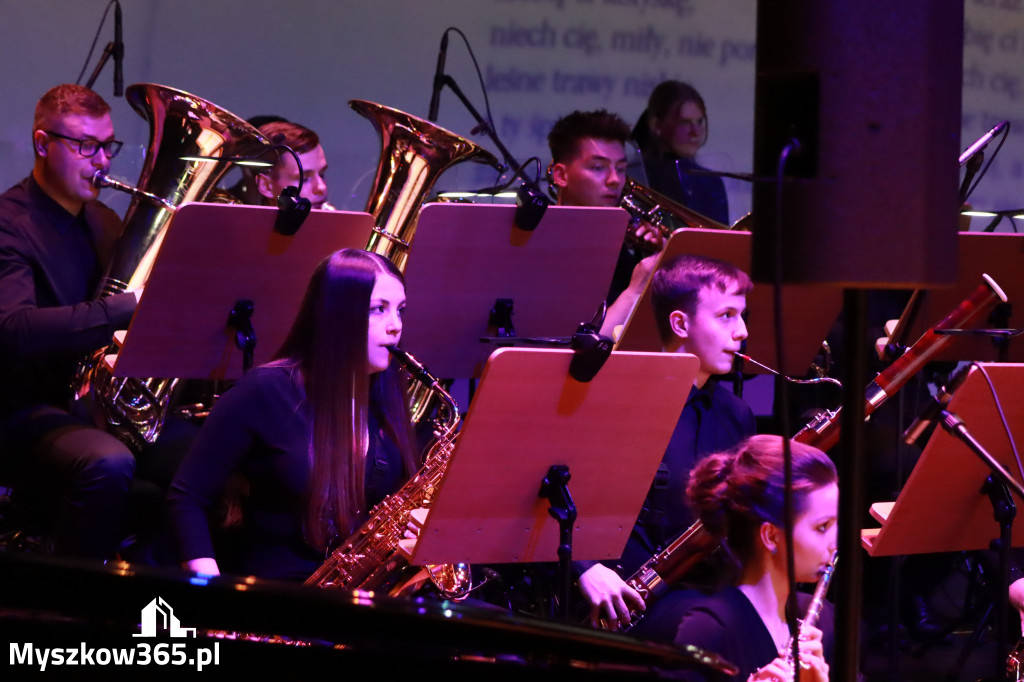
734,492
326,349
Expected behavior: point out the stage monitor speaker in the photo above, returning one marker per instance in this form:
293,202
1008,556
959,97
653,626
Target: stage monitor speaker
871,91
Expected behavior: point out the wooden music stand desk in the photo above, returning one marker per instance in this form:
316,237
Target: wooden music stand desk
466,256
941,507
810,311
1001,256
213,255
529,414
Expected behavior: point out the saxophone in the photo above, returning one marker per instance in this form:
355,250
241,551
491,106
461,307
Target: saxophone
376,557
1015,662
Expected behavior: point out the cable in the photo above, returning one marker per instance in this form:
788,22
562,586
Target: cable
479,75
1002,416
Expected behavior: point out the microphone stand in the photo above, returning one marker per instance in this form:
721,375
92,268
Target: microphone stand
108,52
483,126
997,487
971,168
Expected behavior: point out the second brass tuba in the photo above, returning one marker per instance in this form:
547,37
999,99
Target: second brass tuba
180,125
414,154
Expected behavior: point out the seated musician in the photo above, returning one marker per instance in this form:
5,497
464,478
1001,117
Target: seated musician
318,436
55,241
266,186
698,305
588,168
738,496
1017,589
670,133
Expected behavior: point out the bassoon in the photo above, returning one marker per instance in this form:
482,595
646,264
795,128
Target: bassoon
668,566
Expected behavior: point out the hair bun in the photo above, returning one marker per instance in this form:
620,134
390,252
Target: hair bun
708,491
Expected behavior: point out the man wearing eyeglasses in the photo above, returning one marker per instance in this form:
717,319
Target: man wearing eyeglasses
55,239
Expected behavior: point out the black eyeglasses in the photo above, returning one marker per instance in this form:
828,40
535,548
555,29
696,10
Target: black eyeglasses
89,147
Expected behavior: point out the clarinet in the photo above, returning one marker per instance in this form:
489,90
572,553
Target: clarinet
814,610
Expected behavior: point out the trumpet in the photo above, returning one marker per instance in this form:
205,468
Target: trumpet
647,206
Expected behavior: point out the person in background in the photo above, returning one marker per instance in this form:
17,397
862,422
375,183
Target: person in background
588,168
265,186
670,132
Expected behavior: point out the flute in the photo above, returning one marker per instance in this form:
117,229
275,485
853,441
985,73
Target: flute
814,610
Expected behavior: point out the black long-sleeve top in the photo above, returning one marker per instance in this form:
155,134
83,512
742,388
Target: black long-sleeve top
260,429
50,264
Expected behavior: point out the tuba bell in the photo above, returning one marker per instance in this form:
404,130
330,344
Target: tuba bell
180,125
414,153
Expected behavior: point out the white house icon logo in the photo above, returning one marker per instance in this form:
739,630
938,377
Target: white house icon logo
158,615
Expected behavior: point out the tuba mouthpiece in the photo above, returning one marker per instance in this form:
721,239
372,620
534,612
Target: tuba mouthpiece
100,179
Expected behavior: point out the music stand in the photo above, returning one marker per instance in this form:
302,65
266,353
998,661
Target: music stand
941,508
952,500
466,256
1002,257
212,256
810,310
528,415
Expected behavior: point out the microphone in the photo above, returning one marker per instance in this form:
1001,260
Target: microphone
924,425
530,207
118,53
435,96
982,142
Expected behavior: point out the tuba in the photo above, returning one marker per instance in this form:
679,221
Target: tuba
180,125
414,154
